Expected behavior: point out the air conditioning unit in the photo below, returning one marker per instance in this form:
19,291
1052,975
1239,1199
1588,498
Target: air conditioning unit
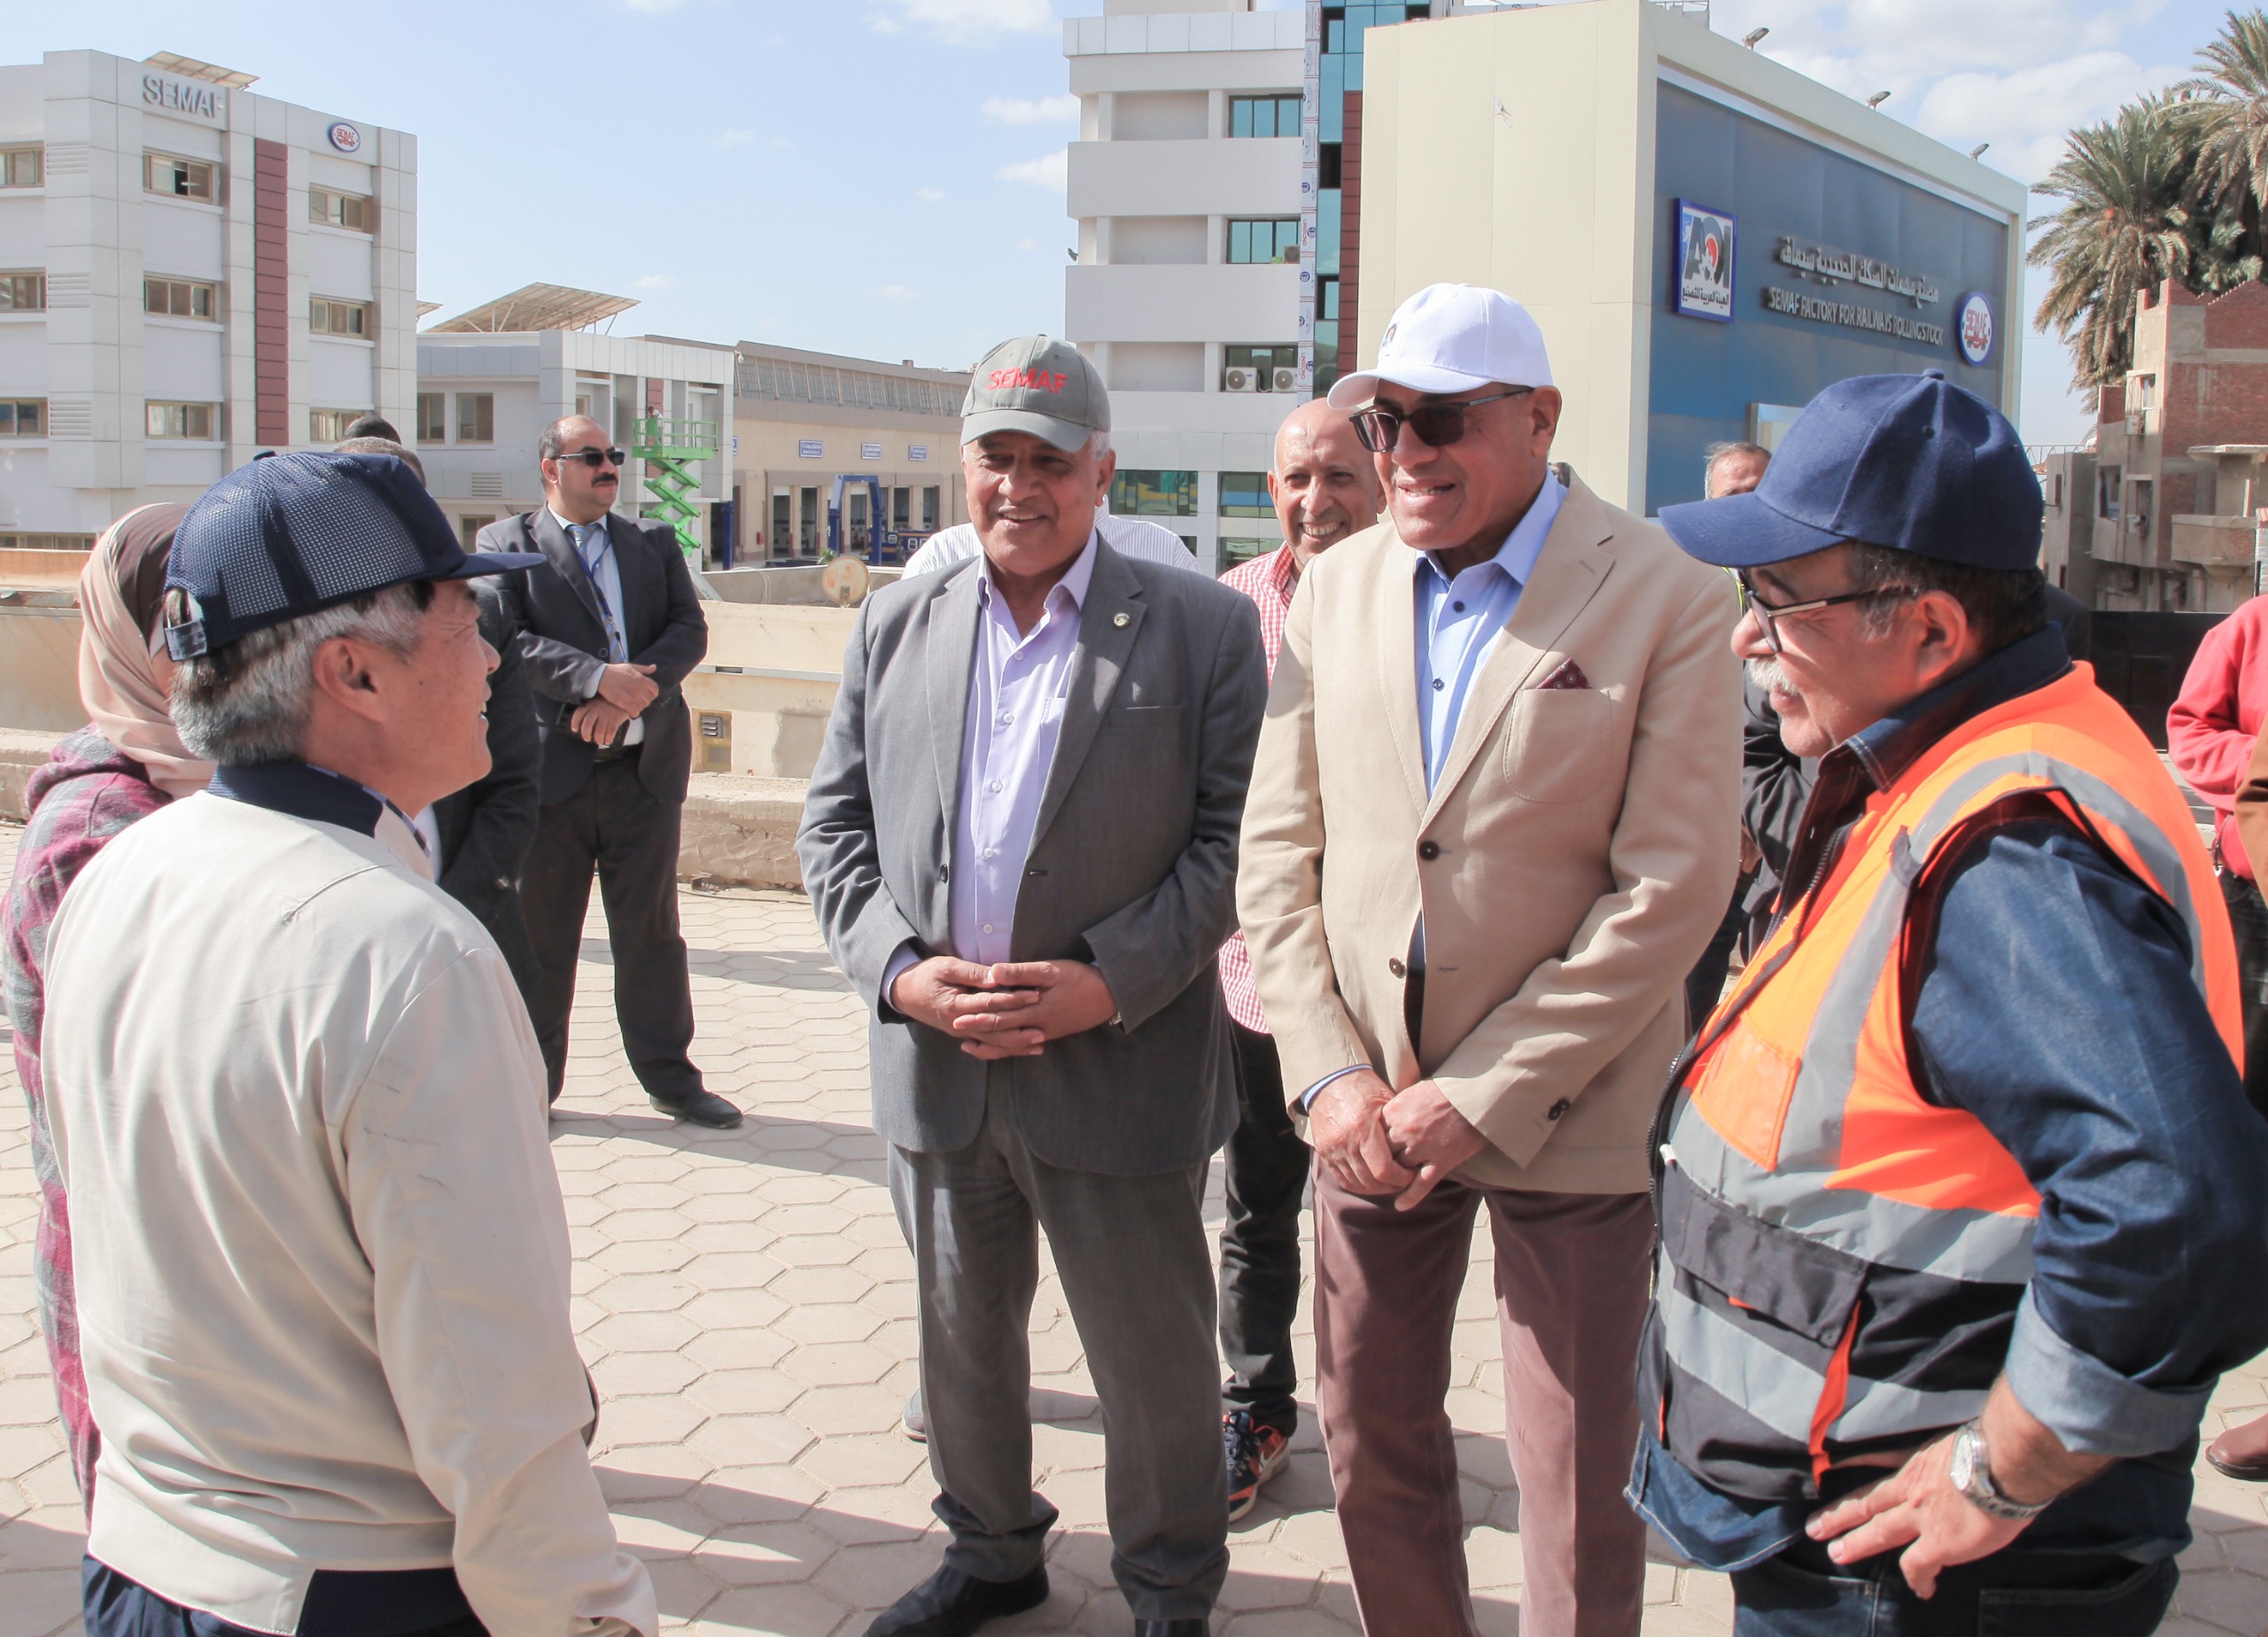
1241,379
1282,379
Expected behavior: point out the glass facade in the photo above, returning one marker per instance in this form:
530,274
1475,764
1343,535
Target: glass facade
1340,71
1244,494
1135,492
1263,116
1268,238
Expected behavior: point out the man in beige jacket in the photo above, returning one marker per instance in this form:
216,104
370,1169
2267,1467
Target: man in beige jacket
1492,823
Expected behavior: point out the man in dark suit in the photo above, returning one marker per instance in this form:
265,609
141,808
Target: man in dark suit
609,626
1020,841
479,838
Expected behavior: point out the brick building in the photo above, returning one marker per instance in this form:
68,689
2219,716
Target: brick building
2165,512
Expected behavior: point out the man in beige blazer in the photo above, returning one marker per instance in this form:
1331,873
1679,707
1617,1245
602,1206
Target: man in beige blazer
1492,823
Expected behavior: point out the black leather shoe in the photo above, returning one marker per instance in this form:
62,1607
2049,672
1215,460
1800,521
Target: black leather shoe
949,1603
701,1107
1172,1628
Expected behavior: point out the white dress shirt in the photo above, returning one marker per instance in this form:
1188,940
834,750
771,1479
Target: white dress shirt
1018,681
606,578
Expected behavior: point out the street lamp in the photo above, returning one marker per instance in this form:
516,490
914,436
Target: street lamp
1754,34
1977,152
1877,100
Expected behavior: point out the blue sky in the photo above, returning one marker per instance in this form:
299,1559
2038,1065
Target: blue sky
878,176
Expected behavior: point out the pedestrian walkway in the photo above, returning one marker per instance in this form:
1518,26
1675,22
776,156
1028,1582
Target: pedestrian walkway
746,1306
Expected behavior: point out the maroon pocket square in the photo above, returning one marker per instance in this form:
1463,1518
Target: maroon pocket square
1568,675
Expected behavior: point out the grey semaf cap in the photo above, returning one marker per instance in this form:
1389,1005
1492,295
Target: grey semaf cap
1036,384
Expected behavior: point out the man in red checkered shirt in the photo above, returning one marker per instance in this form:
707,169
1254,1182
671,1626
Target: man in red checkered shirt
1325,487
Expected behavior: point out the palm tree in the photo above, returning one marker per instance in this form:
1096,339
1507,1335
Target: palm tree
2225,114
2123,227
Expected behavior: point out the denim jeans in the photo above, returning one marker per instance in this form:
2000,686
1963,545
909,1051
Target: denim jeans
1803,1593
2248,921
1267,1173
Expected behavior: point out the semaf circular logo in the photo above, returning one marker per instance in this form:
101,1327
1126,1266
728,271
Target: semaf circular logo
1973,328
345,139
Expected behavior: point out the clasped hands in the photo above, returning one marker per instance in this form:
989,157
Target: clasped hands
1377,1141
1006,1010
624,691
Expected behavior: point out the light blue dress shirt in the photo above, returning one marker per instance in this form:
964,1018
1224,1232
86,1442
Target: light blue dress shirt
1459,623
593,543
1017,682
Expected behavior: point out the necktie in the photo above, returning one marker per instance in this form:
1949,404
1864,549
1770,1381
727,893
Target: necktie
616,649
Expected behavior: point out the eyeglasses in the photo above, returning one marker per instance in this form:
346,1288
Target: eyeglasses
1768,614
1438,423
594,458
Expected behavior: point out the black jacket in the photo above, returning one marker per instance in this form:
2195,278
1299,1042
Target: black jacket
487,829
563,641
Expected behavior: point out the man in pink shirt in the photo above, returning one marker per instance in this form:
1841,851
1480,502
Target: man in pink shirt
2209,732
1325,487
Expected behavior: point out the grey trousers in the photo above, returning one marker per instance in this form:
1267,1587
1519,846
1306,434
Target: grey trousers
1138,1277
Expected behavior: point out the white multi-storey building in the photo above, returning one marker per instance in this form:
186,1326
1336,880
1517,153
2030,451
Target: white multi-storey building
1186,186
485,396
190,272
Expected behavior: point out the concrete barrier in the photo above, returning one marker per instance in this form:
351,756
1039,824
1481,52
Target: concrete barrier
738,832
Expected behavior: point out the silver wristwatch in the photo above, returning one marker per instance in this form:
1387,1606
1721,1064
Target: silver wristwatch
1972,1475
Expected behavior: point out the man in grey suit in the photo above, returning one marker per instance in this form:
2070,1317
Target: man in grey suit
1020,840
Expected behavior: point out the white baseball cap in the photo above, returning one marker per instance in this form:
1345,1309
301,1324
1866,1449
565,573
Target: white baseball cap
1452,339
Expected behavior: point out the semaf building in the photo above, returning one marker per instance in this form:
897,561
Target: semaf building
190,272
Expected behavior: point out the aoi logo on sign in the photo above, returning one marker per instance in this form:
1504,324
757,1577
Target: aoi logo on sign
1973,328
345,139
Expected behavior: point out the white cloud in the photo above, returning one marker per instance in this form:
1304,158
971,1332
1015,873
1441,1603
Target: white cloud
1031,111
653,281
1027,243
969,20
1049,171
734,139
882,23
898,292
928,195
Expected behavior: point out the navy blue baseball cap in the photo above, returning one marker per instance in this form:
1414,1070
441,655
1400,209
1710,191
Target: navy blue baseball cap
290,535
1910,463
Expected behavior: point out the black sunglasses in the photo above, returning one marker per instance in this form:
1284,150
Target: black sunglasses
595,458
1438,423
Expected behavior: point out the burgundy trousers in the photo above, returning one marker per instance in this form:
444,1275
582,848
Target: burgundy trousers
1571,1298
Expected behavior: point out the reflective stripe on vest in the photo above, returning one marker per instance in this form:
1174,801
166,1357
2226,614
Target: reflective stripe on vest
1841,1259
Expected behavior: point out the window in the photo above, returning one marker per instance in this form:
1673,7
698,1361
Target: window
1136,493
1330,165
1260,368
1244,494
1264,116
352,211
901,510
475,417
929,499
1269,239
190,421
21,167
2105,492
181,297
432,417
23,292
181,179
329,426
807,531
2144,395
47,542
1238,549
468,530
23,417
326,317
783,523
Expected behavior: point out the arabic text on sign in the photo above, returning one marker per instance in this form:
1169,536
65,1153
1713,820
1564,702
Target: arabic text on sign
1844,265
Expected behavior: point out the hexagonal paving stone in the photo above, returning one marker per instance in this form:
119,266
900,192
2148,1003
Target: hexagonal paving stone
747,1304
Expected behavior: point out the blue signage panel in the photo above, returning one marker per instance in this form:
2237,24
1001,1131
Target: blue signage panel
1843,270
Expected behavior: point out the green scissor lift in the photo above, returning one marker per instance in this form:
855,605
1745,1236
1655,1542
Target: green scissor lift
669,447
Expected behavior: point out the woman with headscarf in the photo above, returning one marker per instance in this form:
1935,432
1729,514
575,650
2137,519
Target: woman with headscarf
124,765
